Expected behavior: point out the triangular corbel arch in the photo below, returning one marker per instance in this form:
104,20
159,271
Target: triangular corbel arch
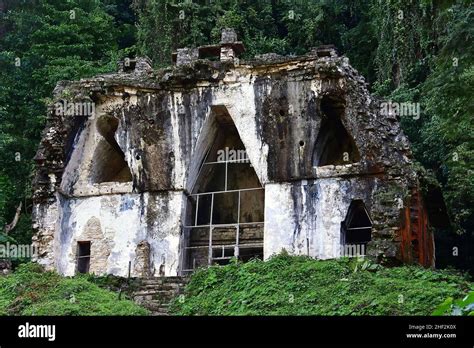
356,229
217,125
108,160
224,212
334,145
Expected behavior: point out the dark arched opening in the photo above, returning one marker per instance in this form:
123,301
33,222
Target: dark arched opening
108,161
333,145
225,210
356,230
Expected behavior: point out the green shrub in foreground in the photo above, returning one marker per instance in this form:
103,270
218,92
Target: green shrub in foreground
289,285
31,291
462,306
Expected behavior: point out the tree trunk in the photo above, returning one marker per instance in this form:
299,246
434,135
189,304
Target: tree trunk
9,227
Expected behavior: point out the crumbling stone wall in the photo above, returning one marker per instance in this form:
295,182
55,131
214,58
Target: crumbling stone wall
100,245
164,129
142,261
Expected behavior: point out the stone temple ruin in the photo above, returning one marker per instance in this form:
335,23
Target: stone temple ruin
216,158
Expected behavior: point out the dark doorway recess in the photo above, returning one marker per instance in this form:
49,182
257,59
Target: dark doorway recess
356,229
225,211
108,163
83,257
334,145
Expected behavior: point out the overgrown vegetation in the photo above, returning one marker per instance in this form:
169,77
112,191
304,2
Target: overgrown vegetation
31,291
41,43
462,306
297,285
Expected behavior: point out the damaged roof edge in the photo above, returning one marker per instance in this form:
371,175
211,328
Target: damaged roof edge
187,75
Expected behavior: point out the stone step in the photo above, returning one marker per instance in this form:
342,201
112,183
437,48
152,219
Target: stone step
168,286
144,301
162,300
157,307
164,286
156,293
164,280
158,289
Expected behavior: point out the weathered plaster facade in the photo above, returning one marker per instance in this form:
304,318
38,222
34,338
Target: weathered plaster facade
121,178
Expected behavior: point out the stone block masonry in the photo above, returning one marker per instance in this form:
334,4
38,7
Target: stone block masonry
156,294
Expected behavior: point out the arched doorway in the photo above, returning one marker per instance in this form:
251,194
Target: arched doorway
356,230
225,209
333,145
108,162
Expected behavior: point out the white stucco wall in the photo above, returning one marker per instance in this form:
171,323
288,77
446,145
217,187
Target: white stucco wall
304,217
120,222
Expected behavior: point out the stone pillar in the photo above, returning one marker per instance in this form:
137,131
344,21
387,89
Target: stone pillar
228,35
186,55
228,38
142,262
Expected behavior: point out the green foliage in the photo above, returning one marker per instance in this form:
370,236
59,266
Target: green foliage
41,43
115,283
424,58
427,58
31,291
290,285
285,27
464,306
4,238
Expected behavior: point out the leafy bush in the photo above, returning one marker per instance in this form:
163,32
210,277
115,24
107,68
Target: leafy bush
297,285
31,291
464,306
